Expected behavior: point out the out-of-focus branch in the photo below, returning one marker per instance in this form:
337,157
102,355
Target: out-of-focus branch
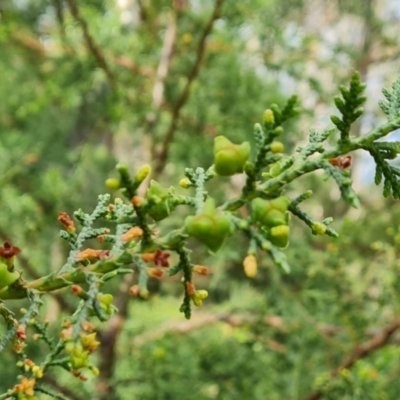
201,320
127,63
123,61
109,340
163,155
159,85
165,62
378,341
368,40
60,17
205,320
62,389
91,44
28,42
143,12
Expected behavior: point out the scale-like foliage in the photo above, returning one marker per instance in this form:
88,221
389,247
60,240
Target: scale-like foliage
349,106
131,228
391,107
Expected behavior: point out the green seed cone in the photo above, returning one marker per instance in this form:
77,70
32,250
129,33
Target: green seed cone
281,203
211,228
229,158
7,277
271,213
113,183
280,236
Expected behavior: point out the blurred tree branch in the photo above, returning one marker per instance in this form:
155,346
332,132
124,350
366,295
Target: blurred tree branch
91,44
143,12
35,45
60,18
109,340
365,349
165,62
202,320
162,157
63,389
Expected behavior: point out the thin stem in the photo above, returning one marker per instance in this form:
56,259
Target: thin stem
176,112
199,196
91,44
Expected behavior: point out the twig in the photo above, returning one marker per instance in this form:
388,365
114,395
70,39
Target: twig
92,46
64,390
165,61
205,320
380,340
121,60
127,63
159,85
201,320
27,267
60,18
29,42
143,12
109,340
163,155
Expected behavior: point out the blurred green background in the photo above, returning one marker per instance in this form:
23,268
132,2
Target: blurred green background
85,84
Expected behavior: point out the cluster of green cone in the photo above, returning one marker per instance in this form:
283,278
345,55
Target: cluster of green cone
212,226
273,218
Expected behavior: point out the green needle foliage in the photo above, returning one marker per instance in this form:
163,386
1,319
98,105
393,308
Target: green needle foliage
130,234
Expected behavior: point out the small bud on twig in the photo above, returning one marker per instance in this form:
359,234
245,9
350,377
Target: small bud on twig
66,220
341,162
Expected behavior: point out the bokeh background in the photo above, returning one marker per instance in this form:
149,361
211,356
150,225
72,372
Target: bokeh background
85,84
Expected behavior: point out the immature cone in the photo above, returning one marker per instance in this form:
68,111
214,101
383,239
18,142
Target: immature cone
277,147
131,234
250,266
280,235
78,356
160,208
198,297
105,302
229,158
274,170
269,116
271,213
211,227
318,228
200,269
185,183
89,342
113,183
201,294
142,173
25,389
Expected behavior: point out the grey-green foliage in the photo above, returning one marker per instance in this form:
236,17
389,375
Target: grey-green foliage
56,108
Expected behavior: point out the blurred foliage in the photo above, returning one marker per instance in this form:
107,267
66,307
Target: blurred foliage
64,123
